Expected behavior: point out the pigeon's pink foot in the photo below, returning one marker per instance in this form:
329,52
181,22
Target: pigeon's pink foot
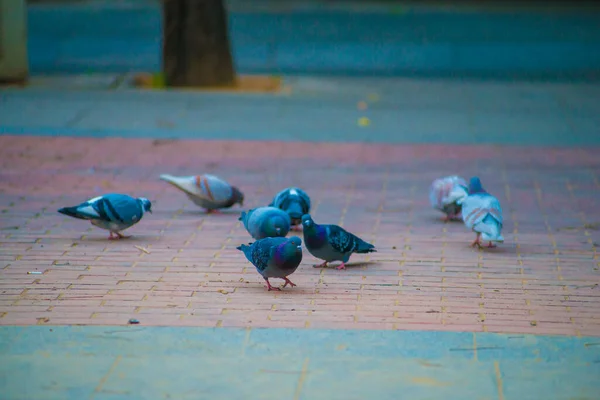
213,211
491,245
477,241
121,236
112,236
447,218
269,287
341,266
288,282
321,265
295,228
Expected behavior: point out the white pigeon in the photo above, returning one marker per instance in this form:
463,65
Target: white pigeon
207,191
482,214
447,194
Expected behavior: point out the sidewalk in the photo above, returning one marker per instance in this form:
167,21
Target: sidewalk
426,316
366,110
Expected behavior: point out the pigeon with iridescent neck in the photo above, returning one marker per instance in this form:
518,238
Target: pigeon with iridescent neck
482,214
274,258
114,212
207,191
332,242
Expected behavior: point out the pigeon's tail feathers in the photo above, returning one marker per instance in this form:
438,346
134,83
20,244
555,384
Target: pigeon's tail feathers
364,247
295,210
490,229
183,183
168,178
247,250
73,212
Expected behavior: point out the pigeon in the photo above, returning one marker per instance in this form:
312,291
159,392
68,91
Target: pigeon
114,212
447,194
263,222
274,258
482,213
332,242
207,191
293,201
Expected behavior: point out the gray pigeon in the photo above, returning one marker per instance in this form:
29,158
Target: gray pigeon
332,242
274,258
447,194
265,222
293,201
482,214
114,212
207,191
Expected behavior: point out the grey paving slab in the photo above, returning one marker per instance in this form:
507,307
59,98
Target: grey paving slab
104,362
317,109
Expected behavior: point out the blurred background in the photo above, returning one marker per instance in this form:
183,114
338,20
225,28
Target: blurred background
349,37
262,45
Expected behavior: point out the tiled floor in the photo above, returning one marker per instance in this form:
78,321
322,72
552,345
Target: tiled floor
543,280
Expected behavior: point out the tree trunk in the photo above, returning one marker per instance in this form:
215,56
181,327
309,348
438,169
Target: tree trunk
196,50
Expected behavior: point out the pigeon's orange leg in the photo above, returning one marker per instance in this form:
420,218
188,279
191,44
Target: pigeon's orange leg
341,266
491,245
288,282
269,287
477,241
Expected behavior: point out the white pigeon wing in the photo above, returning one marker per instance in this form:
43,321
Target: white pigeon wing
185,183
477,206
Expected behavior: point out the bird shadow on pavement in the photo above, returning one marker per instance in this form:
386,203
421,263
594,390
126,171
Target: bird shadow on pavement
349,265
197,213
131,238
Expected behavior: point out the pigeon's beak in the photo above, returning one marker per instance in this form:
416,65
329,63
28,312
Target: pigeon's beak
299,247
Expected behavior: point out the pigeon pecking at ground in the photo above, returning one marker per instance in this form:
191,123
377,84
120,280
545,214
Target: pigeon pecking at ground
293,201
447,194
114,212
207,191
274,258
265,222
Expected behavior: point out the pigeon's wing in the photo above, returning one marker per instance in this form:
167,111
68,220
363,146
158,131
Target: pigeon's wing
477,206
118,208
261,252
214,189
341,240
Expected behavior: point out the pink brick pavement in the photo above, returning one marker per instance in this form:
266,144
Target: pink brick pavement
543,280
